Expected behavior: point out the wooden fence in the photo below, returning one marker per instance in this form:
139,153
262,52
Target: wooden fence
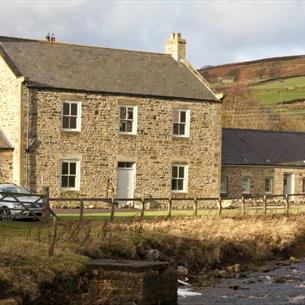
193,205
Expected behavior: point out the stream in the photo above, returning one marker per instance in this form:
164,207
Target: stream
277,283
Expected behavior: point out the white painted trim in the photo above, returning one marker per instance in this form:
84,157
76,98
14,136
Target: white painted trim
185,180
79,115
134,122
77,180
187,123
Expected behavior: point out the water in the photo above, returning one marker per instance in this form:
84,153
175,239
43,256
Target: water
280,284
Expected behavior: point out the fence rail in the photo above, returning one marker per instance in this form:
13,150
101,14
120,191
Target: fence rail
192,206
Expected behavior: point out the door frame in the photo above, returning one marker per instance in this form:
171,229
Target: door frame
132,168
291,181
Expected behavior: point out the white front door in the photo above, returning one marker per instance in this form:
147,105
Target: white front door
288,184
125,181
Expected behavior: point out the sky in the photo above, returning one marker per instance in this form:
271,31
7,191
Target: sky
217,32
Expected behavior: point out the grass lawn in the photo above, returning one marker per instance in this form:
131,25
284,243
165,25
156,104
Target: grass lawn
274,92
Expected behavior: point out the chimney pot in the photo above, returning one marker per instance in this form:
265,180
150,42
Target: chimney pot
48,37
176,46
53,38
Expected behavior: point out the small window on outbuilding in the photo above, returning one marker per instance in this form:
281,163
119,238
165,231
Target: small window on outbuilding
246,185
224,185
268,185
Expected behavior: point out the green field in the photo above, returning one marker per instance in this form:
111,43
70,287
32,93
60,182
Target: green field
278,91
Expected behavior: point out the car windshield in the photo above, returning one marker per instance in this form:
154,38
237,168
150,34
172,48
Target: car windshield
14,189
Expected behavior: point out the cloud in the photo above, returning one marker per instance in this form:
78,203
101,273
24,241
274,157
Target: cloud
216,31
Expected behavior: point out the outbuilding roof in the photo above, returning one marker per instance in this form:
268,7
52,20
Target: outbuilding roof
261,147
95,69
4,143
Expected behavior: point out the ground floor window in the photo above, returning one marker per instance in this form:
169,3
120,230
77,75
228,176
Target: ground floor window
268,185
70,172
224,185
303,185
246,185
179,178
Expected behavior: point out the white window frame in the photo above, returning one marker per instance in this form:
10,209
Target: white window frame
134,120
78,116
224,192
270,179
248,190
187,122
77,176
185,178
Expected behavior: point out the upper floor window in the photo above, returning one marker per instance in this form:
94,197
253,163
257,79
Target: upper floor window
128,119
268,185
224,185
179,178
71,116
246,185
70,174
181,123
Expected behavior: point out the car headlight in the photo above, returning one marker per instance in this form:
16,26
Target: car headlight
17,206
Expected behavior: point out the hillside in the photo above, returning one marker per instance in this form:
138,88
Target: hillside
265,94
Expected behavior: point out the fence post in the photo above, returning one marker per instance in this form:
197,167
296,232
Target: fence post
287,204
195,207
143,207
112,209
265,204
243,207
54,237
46,205
81,210
219,206
169,207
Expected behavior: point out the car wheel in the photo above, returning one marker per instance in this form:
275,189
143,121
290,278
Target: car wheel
5,213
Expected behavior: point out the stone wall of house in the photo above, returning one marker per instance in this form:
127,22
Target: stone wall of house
257,175
99,146
6,165
10,113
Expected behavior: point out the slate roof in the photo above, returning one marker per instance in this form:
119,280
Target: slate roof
4,143
260,147
87,68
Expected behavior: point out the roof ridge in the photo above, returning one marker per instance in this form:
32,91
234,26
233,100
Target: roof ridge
264,130
81,45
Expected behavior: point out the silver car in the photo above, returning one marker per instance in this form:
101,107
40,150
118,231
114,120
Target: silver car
17,202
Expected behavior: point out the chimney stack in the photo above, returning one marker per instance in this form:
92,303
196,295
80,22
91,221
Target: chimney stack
175,46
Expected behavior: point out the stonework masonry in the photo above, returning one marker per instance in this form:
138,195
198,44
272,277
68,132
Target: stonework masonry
257,175
99,146
11,119
6,165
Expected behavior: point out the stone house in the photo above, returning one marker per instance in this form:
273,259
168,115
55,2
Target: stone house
91,121
259,162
